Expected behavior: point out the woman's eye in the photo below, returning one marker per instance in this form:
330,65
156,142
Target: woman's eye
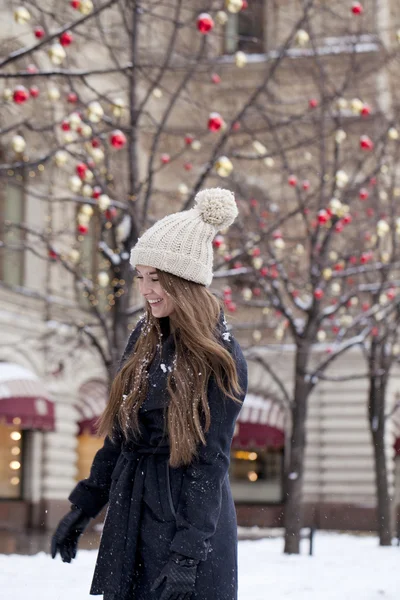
154,279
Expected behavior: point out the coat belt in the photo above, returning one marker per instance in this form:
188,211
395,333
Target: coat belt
115,568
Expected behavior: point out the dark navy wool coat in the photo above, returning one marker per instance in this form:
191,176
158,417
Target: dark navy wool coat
155,509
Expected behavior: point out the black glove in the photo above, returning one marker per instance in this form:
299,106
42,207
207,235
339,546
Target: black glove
179,578
65,538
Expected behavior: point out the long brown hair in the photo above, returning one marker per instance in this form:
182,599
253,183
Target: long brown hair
198,356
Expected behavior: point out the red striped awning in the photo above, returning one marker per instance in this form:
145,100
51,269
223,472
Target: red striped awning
93,397
261,423
24,401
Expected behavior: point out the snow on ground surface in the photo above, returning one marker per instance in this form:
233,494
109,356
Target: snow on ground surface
344,567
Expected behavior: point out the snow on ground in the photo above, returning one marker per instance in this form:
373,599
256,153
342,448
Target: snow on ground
344,567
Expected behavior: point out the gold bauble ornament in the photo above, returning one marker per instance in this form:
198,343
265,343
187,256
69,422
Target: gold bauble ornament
85,7
279,244
257,262
83,219
247,294
183,189
22,15
89,176
382,228
87,209
60,158
97,155
18,144
103,201
87,191
195,145
157,93
327,273
74,256
223,166
57,54
7,94
103,279
342,178
356,106
86,131
321,335
95,111
342,103
269,162
118,107
257,335
259,147
233,6
221,17
69,137
340,136
53,94
335,288
75,120
393,133
75,183
302,38
240,59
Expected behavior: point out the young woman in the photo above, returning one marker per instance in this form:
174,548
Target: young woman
170,532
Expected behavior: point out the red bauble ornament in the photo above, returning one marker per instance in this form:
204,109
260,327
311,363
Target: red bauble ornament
313,103
96,192
257,291
363,194
188,166
357,8
218,241
256,252
91,164
366,143
39,32
215,121
370,212
366,110
72,98
373,181
347,219
339,226
237,265
236,126
306,185
110,213
318,293
277,234
189,139
65,126
165,158
66,38
205,23
53,256
96,143
81,170
292,180
374,331
215,78
34,91
231,306
227,291
32,69
323,217
365,306
365,257
253,202
76,4
245,5
20,94
117,139
263,271
83,229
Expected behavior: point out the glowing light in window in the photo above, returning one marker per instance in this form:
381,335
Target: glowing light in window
15,435
14,480
15,450
15,465
253,455
17,421
252,476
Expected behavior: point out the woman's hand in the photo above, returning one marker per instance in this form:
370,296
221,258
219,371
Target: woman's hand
69,529
178,577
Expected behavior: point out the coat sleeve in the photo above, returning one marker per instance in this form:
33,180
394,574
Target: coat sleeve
200,499
91,494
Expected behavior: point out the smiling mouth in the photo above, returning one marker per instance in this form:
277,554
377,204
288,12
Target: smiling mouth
154,302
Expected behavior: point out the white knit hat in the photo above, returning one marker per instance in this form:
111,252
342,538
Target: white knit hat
181,243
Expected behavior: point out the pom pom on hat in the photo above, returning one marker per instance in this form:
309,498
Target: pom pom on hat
217,207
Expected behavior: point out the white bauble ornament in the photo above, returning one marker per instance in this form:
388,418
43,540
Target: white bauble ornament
53,93
75,183
259,147
60,158
103,279
22,15
302,38
87,209
87,191
103,201
240,59
57,54
18,144
223,166
95,111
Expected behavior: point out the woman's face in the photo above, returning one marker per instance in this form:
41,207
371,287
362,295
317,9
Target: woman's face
161,304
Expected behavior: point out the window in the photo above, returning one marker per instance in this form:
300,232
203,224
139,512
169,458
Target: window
10,462
257,475
245,29
12,208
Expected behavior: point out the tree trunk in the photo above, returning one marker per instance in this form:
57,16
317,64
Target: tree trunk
295,468
377,393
